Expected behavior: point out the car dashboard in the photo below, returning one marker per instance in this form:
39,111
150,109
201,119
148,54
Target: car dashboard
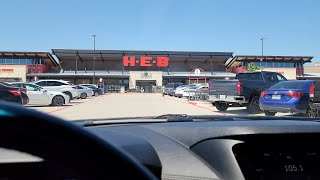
263,149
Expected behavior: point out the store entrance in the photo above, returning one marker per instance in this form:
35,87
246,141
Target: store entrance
145,86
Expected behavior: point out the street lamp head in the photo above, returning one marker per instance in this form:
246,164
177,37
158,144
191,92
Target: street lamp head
94,35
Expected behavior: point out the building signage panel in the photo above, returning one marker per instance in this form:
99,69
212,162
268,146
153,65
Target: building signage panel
146,75
146,61
6,70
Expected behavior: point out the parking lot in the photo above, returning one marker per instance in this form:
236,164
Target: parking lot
135,105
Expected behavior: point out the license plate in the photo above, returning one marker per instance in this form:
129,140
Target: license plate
222,96
276,97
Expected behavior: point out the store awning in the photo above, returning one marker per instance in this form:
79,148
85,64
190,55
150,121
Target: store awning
238,59
70,54
32,55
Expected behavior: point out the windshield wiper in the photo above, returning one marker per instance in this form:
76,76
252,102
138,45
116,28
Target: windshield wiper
136,120
186,118
175,117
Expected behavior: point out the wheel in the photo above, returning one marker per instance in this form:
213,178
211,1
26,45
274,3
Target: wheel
179,97
221,106
253,106
96,94
69,94
268,113
311,112
57,100
83,95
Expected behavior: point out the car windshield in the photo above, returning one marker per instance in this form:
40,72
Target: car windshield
176,84
121,59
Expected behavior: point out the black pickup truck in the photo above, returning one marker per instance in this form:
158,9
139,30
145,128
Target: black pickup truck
244,90
314,99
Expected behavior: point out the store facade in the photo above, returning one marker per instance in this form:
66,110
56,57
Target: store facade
132,69
15,66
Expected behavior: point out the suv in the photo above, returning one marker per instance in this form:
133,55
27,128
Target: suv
60,86
170,88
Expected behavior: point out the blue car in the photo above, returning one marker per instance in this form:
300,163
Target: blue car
286,96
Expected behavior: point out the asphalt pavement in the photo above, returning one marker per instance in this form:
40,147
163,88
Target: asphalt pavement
135,105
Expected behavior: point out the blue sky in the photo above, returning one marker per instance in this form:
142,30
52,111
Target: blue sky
291,27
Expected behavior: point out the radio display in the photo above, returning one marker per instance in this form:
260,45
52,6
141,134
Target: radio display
285,163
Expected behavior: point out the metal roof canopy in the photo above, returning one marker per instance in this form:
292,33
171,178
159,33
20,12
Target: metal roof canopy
65,53
37,55
237,59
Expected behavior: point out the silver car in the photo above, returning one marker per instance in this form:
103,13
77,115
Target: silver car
84,91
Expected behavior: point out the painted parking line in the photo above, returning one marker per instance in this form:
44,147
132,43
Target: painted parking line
67,107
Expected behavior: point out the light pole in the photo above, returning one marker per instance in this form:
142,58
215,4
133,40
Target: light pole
261,60
94,59
262,47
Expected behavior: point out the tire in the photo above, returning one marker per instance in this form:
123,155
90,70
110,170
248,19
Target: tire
69,94
96,94
312,113
253,106
221,106
58,100
268,113
83,95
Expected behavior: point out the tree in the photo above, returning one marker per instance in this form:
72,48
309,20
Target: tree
251,67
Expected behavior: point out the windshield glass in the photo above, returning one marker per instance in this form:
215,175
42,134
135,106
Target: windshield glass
122,59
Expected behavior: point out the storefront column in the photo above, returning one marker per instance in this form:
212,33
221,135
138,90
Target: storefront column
211,65
77,57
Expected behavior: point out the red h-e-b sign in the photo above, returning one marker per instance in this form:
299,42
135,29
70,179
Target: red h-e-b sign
146,61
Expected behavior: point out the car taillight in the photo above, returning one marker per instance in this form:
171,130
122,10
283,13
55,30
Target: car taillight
294,94
15,92
311,92
24,91
263,93
239,87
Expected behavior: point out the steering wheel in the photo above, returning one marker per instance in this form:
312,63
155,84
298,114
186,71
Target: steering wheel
68,147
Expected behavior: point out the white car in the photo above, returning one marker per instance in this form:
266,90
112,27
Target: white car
59,85
183,91
85,91
39,96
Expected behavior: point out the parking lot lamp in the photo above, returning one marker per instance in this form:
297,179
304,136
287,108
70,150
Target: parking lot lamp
94,59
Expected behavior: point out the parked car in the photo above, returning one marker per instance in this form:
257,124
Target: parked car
96,91
10,93
286,96
314,102
244,90
59,85
85,91
40,96
23,92
187,90
170,87
179,90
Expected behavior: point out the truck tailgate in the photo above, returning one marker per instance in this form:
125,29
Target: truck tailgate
223,87
316,98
